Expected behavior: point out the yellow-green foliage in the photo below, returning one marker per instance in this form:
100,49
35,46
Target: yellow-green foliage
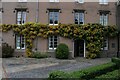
92,33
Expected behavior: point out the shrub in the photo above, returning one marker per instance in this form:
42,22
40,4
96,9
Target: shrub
62,51
115,60
58,75
91,56
38,55
7,51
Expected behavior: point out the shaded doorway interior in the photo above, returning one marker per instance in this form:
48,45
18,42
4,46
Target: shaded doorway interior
79,48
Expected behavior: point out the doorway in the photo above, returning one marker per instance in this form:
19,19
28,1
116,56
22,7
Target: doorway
79,48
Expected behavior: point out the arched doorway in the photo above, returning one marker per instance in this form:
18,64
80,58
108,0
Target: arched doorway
79,48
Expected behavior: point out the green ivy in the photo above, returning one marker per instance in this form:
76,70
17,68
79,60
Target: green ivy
92,33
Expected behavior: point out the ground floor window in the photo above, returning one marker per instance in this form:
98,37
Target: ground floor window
20,42
53,42
105,44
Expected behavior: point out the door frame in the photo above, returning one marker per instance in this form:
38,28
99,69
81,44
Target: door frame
84,49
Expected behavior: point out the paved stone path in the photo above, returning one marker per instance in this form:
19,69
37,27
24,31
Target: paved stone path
40,68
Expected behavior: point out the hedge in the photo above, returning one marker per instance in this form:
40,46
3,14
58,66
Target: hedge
39,55
114,75
101,69
115,60
88,73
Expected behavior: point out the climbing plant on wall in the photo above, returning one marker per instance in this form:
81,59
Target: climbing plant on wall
92,33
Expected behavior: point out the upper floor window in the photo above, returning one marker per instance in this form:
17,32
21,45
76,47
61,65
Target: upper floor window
79,18
53,17
22,0
21,17
104,19
103,1
0,17
79,1
53,0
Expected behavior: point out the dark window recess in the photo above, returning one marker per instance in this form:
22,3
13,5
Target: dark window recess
113,45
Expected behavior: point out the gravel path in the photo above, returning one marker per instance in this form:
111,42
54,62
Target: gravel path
40,68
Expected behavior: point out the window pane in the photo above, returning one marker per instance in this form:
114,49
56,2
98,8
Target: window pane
56,17
19,14
81,1
51,0
55,42
53,17
52,42
106,44
103,1
22,0
50,45
22,42
55,46
81,18
76,18
113,45
17,42
101,19
23,17
105,20
55,37
51,14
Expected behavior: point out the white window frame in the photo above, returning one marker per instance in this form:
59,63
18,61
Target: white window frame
53,42
105,45
0,17
53,17
22,0
53,0
21,17
80,14
20,40
105,2
104,19
106,42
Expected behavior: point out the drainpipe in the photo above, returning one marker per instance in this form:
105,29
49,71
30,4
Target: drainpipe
118,46
117,15
37,19
84,48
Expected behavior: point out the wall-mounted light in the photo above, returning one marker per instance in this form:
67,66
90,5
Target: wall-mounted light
27,11
14,11
60,11
47,11
110,13
73,11
13,34
1,9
